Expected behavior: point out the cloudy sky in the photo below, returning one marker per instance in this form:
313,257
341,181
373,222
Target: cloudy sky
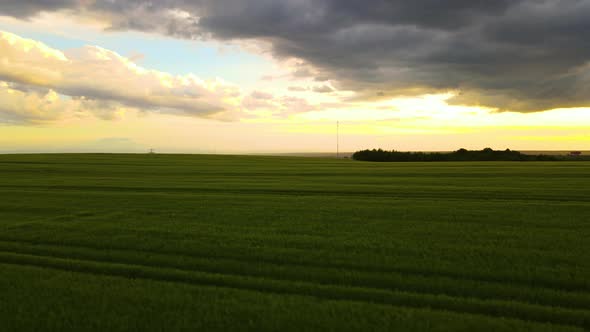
241,76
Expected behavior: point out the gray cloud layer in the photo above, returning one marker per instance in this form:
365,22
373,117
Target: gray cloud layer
520,55
20,8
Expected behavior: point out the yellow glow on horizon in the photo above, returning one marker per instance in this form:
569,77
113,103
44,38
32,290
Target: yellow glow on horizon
431,112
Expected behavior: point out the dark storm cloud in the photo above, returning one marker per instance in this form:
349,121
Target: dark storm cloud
520,55
302,17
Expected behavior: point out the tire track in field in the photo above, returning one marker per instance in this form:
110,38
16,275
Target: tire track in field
337,277
581,288
446,195
508,309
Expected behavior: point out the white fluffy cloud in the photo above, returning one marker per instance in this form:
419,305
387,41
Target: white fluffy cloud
19,106
22,104
96,78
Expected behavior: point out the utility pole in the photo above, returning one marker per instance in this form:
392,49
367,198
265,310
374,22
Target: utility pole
337,139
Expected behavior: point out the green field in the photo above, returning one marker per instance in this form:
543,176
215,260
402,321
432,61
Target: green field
193,243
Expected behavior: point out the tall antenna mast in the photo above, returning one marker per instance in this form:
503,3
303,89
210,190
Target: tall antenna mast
337,139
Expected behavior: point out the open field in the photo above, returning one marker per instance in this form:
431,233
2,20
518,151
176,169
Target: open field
181,242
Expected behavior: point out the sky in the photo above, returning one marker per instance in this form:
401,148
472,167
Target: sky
275,76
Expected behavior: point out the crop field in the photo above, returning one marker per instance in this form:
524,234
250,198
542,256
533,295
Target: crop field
192,242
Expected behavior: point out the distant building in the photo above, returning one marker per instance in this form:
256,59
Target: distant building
575,153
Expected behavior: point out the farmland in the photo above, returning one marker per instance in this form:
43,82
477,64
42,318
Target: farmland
192,242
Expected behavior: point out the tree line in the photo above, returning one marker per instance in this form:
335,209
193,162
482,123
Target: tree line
486,154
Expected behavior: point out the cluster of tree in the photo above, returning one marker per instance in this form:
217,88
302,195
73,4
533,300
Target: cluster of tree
486,154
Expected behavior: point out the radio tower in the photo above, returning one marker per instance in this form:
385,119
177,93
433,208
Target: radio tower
337,139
